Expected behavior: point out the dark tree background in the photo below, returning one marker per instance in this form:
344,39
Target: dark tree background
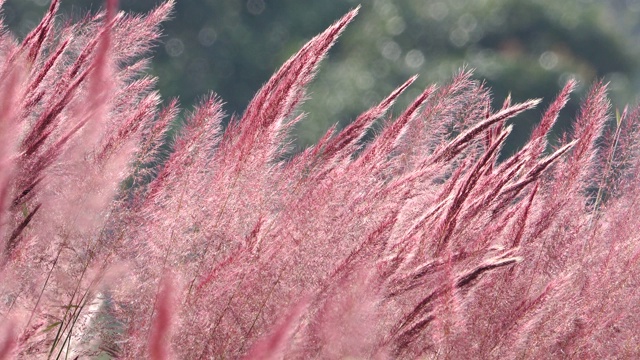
528,48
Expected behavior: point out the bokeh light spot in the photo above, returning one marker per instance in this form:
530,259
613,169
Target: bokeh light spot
548,60
396,25
256,7
391,50
414,59
174,47
438,11
207,36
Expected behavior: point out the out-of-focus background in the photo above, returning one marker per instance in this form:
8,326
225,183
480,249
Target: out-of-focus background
528,48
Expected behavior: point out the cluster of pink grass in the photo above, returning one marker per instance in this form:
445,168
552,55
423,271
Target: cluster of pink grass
417,243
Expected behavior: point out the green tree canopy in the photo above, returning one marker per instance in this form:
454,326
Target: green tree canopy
525,48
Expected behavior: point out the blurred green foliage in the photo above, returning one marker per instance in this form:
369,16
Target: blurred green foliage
528,48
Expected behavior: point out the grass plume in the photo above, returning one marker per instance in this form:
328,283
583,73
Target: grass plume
416,243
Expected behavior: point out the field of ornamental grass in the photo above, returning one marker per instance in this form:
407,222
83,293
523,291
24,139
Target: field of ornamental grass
118,240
